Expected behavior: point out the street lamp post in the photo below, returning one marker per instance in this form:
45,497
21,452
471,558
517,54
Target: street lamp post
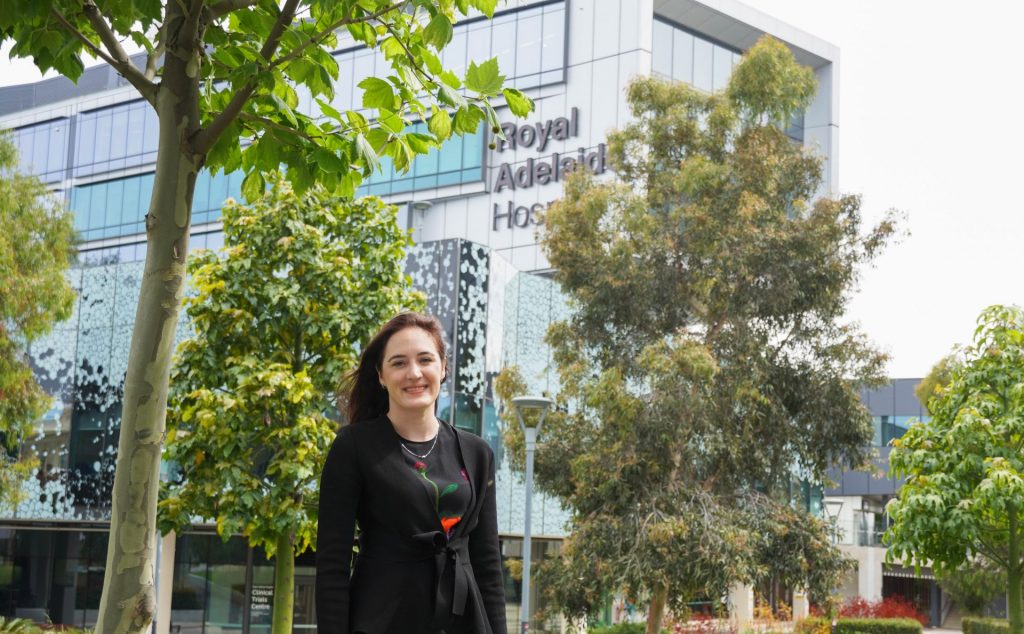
530,435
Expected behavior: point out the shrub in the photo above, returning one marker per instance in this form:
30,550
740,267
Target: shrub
894,607
813,625
878,626
17,626
976,625
621,628
820,625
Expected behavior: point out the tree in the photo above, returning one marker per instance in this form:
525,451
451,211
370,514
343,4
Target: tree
964,491
278,319
36,249
705,362
974,584
220,72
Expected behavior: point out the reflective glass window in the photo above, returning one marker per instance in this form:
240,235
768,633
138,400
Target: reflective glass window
661,49
529,35
682,56
553,48
722,67
702,64
458,161
503,43
42,149
108,139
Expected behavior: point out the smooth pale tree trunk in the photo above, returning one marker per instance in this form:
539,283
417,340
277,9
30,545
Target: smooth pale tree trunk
656,612
1013,573
128,603
284,586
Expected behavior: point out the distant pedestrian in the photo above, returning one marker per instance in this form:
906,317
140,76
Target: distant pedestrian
422,493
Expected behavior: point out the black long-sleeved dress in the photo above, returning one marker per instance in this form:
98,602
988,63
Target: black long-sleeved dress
428,561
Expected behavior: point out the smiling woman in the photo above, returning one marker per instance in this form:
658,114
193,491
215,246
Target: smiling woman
422,494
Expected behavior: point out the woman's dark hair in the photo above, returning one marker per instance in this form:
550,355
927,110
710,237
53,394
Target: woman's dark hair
366,398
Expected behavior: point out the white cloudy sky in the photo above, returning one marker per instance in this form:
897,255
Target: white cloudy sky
930,123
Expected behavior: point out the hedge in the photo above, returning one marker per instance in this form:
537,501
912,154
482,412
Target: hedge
863,626
621,628
976,625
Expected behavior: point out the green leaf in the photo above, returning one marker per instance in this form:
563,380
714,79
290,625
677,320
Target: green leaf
518,103
363,32
367,152
468,119
253,185
484,78
329,161
377,93
420,143
391,122
440,125
485,6
451,488
438,31
283,108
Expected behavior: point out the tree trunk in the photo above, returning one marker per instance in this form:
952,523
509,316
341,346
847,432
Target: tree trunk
128,603
1013,574
656,612
284,586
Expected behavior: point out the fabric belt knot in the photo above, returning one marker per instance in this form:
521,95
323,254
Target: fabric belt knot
448,552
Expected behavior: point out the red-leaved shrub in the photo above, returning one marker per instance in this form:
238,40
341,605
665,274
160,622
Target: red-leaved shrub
894,607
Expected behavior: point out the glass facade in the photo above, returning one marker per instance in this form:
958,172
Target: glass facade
52,575
529,44
43,148
459,160
115,138
679,54
117,207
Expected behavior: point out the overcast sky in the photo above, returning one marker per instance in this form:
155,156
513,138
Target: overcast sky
930,123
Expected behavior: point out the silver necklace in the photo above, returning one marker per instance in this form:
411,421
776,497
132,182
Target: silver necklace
432,445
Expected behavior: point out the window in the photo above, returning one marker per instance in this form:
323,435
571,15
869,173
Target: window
114,138
42,149
529,44
460,160
118,207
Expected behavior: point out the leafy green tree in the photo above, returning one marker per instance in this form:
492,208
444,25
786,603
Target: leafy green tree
938,377
706,358
278,316
36,248
219,73
974,584
964,493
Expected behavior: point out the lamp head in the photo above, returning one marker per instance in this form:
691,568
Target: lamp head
540,403
532,402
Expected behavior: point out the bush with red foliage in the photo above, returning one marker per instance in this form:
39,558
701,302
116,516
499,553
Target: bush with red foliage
894,607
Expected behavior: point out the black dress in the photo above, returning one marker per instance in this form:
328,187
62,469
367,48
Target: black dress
428,557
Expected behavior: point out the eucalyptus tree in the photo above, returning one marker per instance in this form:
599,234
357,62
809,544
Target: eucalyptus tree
218,72
706,362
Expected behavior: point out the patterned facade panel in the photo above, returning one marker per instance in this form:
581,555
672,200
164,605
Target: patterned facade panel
531,304
432,267
82,363
471,336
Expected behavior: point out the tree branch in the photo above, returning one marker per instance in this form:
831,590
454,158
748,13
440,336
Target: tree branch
206,137
269,123
121,62
315,39
218,10
95,50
